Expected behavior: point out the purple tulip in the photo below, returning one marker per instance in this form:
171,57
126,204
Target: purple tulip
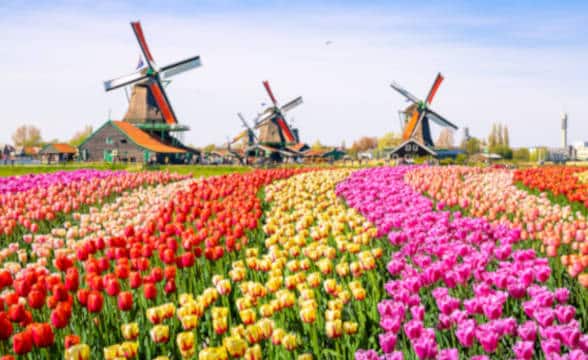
523,350
387,342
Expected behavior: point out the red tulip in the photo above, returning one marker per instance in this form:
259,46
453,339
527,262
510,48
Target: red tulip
157,274
59,318
62,262
82,296
7,357
186,260
5,327
5,279
71,340
17,313
59,292
170,286
125,301
112,287
170,272
22,342
150,291
95,302
135,280
42,334
36,299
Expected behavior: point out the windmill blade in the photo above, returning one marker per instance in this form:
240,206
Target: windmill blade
404,92
291,105
163,103
126,80
180,67
138,30
243,121
440,120
264,118
411,125
285,130
269,92
434,88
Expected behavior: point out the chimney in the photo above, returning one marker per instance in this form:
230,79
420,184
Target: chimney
564,130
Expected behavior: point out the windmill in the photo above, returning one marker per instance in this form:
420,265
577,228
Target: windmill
274,131
419,113
149,106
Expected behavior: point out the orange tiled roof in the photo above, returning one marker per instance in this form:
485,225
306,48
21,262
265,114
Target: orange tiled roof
143,139
64,148
316,152
298,146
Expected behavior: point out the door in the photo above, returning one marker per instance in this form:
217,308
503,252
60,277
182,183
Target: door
107,155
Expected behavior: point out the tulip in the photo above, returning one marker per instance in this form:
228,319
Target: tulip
42,334
125,301
186,343
290,342
159,334
130,331
77,352
235,346
334,328
253,353
22,342
71,340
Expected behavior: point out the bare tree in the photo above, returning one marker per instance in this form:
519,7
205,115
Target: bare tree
27,135
445,139
80,136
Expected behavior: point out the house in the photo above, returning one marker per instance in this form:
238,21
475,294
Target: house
123,141
57,152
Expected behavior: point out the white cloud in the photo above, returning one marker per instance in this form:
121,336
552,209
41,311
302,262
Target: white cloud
54,63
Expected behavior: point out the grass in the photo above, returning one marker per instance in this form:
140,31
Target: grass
194,170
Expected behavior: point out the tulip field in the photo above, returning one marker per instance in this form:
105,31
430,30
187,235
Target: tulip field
406,262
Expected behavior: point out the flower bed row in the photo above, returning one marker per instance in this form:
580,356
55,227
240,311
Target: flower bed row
459,286
40,206
559,180
13,184
115,263
559,231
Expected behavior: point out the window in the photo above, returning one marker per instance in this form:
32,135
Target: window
109,141
123,141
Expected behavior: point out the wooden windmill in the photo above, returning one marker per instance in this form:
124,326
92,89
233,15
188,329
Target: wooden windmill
419,114
273,128
149,106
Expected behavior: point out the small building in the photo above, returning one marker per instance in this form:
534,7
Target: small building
57,152
581,150
411,148
122,141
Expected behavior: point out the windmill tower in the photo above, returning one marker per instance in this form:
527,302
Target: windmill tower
564,130
149,106
273,129
419,114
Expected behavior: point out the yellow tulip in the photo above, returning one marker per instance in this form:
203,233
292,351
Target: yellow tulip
350,327
130,331
278,335
248,316
185,341
308,315
235,346
213,353
77,352
290,341
159,333
253,353
334,329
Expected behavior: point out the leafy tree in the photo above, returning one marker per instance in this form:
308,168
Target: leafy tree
499,133
505,137
81,136
27,135
472,146
502,150
521,154
317,145
389,140
209,148
492,138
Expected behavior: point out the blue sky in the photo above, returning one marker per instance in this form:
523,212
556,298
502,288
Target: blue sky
518,62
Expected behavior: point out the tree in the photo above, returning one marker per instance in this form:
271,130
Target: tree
209,148
389,140
505,137
472,146
365,143
27,135
521,154
445,139
499,138
317,145
492,138
81,136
